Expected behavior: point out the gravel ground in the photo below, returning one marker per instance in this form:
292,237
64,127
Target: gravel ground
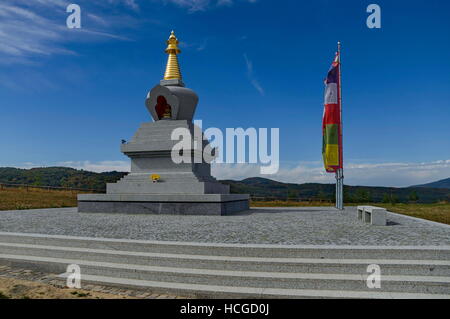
302,226
18,283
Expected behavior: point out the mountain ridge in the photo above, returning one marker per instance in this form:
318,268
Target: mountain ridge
443,183
255,186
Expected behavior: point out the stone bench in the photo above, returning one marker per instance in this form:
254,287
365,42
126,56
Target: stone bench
372,214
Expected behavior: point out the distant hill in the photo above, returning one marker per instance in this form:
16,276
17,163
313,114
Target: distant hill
262,187
444,183
269,188
59,177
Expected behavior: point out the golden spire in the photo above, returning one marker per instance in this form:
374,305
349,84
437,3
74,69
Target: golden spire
172,69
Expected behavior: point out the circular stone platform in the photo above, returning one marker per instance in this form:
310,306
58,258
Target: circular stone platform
290,226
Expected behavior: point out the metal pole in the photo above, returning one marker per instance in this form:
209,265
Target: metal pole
340,189
341,159
337,190
341,195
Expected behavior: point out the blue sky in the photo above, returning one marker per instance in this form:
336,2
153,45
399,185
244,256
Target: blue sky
68,96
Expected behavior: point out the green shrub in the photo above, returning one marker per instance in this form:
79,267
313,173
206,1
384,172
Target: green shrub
3,296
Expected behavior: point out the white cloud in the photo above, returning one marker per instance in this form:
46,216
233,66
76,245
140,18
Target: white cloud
129,3
48,3
224,2
251,76
191,5
38,28
369,174
197,46
364,174
202,5
23,32
103,166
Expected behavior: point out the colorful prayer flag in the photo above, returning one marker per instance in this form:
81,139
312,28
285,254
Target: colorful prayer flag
332,122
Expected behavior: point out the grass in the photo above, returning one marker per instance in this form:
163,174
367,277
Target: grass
283,203
21,198
439,212
80,294
13,288
3,296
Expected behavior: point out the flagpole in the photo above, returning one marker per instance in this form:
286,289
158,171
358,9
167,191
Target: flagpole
340,172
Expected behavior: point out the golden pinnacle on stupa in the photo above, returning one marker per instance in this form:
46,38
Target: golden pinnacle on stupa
172,69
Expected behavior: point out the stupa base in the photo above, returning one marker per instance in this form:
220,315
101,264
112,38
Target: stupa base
167,204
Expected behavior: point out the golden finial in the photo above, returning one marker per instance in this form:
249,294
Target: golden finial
172,69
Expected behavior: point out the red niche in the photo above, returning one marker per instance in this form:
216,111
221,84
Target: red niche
162,107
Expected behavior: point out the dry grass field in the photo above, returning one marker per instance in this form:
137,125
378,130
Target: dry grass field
11,288
22,198
283,203
439,212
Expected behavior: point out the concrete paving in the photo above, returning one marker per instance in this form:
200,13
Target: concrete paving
286,226
236,270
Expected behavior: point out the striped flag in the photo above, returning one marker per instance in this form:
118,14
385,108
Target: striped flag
332,124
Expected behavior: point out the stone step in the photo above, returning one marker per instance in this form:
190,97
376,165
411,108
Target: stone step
166,123
236,250
169,187
168,177
165,179
267,280
265,264
164,132
212,291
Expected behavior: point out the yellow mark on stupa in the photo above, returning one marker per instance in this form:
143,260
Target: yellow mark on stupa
155,178
172,69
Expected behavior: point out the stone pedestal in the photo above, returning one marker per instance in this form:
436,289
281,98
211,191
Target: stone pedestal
174,204
184,188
